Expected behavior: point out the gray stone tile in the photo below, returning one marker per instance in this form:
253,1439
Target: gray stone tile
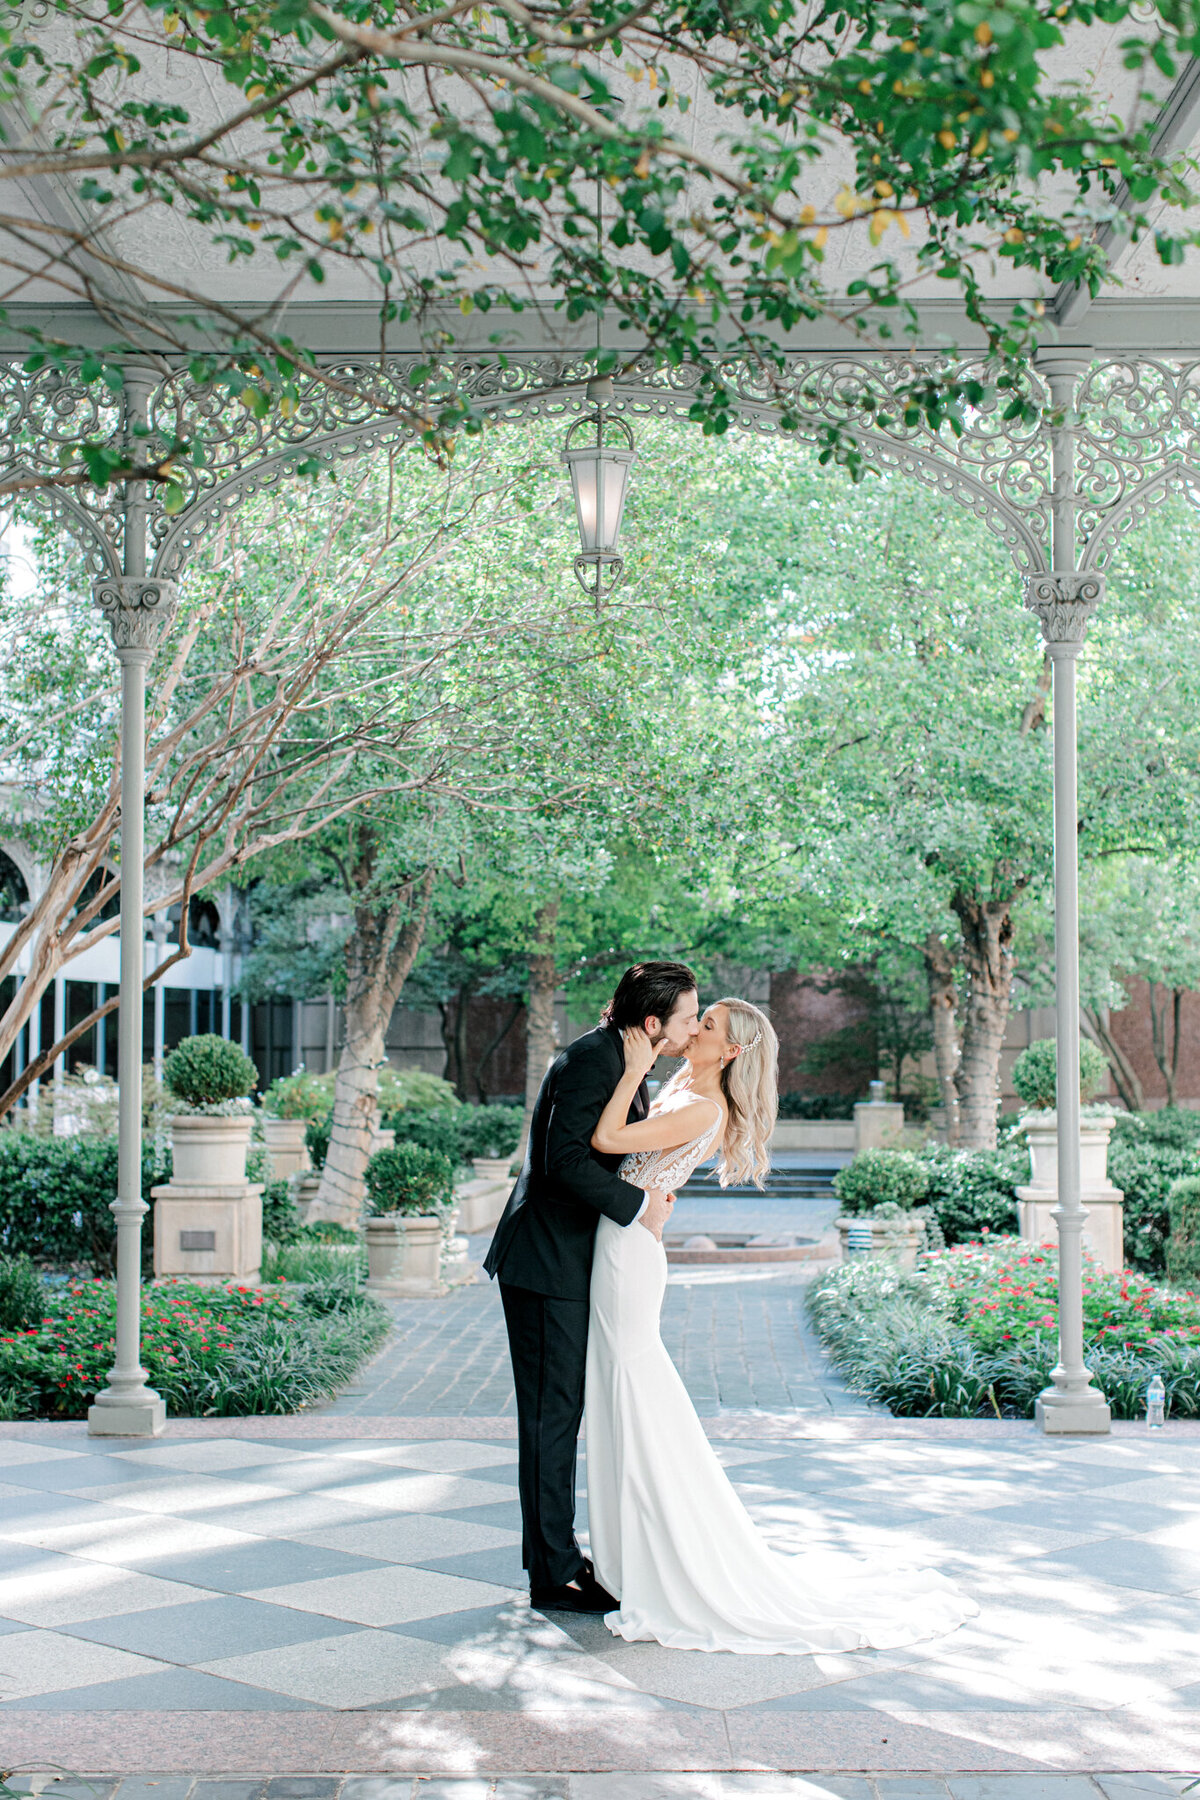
450,1699
171,1690
461,1627
412,1539
353,1669
901,1692
911,1787
378,1787
1131,1563
68,1477
1143,1787
206,1629
302,1787
1020,1787
155,1787
1093,1515
506,1516
228,1790
269,1562
501,1567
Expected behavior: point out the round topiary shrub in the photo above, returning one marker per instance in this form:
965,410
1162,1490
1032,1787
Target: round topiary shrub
299,1096
1183,1245
881,1178
489,1130
409,1179
1034,1075
207,1072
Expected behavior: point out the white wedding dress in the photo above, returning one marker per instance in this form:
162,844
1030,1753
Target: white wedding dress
669,1536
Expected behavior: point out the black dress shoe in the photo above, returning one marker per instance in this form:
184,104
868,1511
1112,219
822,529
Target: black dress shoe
583,1595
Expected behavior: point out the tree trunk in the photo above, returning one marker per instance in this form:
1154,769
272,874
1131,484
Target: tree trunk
943,1009
986,927
1097,1021
1166,1054
460,1042
379,956
541,1037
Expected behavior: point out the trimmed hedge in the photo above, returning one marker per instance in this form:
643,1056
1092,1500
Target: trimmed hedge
56,1195
973,1192
208,1071
409,1179
881,1178
1148,1152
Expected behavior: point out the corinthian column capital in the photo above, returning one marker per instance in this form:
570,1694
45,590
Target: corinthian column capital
137,608
1063,601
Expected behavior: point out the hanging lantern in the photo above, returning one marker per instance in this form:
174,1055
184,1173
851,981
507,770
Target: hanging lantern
599,468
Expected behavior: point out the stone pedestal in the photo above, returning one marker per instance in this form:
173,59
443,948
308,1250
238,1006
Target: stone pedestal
491,1168
457,1269
1103,1232
404,1256
286,1147
877,1124
208,1232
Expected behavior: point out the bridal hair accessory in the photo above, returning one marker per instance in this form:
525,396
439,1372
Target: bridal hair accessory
754,1042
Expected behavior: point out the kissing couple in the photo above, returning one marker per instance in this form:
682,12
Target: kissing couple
578,1253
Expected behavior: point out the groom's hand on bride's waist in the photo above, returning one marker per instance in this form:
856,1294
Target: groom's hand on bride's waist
658,1211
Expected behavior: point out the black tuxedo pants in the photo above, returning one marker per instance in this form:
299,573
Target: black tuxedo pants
547,1338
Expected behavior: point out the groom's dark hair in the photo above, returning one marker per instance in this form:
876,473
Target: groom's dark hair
648,990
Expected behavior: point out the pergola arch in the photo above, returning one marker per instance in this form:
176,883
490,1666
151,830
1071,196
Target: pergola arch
1003,479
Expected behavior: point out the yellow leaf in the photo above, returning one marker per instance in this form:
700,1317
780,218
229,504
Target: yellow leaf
287,406
983,32
255,92
1075,242
947,139
807,215
902,222
987,79
980,144
1014,235
1011,136
846,203
864,87
641,167
821,238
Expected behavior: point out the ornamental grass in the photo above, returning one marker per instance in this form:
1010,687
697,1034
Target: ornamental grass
210,1351
972,1332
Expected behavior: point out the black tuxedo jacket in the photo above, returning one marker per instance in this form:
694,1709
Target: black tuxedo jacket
546,1234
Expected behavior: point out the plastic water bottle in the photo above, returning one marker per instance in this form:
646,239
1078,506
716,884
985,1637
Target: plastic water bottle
1156,1396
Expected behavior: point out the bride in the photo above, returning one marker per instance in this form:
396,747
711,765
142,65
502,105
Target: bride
668,1533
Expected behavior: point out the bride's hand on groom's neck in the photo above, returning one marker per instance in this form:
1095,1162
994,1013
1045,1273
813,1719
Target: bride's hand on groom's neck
640,1054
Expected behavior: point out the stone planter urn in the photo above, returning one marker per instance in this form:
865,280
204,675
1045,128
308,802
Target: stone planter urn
404,1256
1103,1231
491,1168
286,1147
208,1217
903,1240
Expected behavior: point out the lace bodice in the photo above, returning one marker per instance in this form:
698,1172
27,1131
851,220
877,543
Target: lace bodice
670,1168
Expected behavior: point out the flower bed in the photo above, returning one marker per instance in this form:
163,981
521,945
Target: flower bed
208,1351
973,1332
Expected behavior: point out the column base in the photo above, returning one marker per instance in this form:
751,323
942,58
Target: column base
127,1418
1086,1413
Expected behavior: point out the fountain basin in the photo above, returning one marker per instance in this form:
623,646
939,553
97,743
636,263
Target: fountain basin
739,1247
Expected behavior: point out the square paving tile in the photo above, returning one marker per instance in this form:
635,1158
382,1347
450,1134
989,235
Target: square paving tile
112,1535
1133,1563
39,1662
166,1691
440,1456
18,1450
68,1589
387,1596
421,1493
699,1678
182,1494
212,1456
250,1564
293,1516
71,1476
207,1629
464,1627
409,1540
1092,1515
358,1669
501,1567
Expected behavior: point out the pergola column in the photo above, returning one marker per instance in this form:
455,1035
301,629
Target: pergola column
137,608
1063,601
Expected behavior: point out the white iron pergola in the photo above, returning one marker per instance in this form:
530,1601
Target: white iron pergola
1119,431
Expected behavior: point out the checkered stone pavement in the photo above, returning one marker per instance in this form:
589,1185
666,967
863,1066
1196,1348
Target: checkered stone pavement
254,1600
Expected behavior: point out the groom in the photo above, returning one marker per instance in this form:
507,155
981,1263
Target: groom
542,1254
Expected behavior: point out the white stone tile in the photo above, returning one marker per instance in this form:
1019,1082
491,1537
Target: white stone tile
386,1596
45,1662
14,1451
424,1493
438,1455
361,1668
290,1517
70,1590
174,1495
412,1539
206,1456
703,1678
124,1537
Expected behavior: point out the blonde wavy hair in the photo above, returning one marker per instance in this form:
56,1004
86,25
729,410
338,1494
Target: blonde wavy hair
750,1083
